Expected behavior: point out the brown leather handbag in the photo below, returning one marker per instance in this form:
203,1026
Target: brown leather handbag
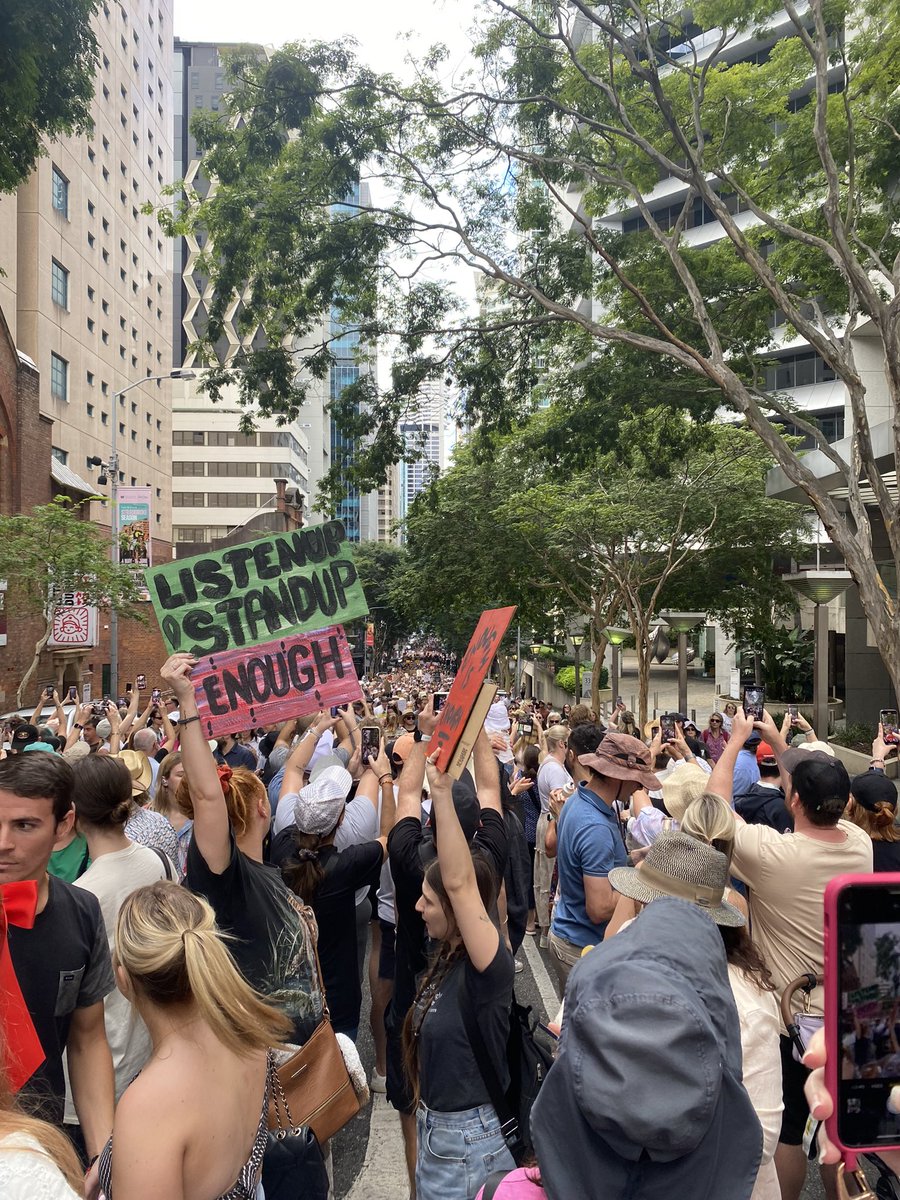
316,1083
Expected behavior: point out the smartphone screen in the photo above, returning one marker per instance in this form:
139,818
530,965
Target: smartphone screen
335,710
864,979
793,713
754,702
667,727
889,727
48,691
439,698
128,688
141,682
73,692
371,739
156,695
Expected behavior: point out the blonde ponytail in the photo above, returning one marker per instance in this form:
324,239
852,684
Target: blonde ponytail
167,941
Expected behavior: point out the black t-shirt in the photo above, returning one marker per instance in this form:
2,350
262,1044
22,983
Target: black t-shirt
885,856
62,963
273,945
517,879
334,904
449,1078
407,872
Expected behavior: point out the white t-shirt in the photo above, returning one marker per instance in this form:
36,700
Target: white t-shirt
112,878
760,1026
28,1173
551,775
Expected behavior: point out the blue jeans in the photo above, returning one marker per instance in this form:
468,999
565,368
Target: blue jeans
457,1151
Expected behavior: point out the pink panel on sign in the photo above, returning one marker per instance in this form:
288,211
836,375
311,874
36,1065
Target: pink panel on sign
291,677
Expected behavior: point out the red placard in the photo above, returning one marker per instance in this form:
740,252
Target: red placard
473,670
242,689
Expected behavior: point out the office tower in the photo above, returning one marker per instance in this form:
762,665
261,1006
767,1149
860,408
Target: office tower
85,291
427,434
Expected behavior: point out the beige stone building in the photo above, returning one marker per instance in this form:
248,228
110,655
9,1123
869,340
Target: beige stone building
87,286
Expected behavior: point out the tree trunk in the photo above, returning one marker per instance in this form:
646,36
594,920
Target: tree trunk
38,650
643,651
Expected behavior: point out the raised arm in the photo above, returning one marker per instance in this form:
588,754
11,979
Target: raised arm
168,742
302,753
212,829
130,716
458,874
721,781
487,774
115,727
141,721
80,718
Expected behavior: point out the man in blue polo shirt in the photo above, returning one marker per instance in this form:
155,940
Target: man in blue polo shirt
590,844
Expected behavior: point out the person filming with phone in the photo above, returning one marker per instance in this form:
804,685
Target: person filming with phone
787,874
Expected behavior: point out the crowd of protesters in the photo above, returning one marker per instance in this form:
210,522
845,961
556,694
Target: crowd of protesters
177,909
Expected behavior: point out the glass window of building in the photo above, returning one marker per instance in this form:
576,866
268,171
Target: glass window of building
59,284
59,377
59,191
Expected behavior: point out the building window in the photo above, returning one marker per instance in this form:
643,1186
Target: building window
187,437
188,468
233,470
59,377
59,191
104,418
60,455
90,378
797,370
90,410
59,284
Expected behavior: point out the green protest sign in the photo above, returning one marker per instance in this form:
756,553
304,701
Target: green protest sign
282,584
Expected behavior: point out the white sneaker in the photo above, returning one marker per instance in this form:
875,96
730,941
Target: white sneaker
519,967
377,1083
545,941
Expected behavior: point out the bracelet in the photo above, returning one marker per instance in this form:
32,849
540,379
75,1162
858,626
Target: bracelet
311,729
876,760
187,720
426,737
77,726
386,779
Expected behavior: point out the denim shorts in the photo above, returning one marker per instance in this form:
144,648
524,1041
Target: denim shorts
457,1151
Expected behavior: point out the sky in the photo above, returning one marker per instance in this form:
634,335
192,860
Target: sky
379,26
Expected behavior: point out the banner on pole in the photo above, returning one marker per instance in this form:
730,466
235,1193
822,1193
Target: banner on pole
291,677
134,527
275,587
467,686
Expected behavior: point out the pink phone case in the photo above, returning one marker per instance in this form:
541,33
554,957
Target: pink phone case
832,1013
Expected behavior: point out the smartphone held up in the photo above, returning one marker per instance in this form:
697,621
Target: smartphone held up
754,701
890,730
862,1009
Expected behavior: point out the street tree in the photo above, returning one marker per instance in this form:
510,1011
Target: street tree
48,55
379,565
54,549
574,113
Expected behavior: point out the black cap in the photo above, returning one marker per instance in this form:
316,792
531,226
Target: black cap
872,788
23,736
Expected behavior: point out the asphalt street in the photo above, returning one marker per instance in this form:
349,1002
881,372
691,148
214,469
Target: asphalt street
368,1154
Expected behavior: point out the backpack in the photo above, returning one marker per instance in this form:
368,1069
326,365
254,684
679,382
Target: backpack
529,1057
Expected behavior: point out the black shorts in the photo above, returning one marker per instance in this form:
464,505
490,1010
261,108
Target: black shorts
387,958
796,1109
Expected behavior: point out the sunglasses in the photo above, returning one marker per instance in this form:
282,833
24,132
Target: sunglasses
715,721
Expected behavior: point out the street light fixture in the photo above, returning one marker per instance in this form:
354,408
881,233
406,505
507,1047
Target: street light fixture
577,640
682,623
109,472
820,585
615,635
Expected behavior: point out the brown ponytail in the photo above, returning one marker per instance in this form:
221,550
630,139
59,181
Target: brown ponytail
302,872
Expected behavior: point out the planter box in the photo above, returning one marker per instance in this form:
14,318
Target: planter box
857,762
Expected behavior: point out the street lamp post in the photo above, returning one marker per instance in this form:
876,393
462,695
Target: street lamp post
615,635
577,640
111,470
682,623
821,586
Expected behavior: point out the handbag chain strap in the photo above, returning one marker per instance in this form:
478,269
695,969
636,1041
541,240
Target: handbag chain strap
279,1099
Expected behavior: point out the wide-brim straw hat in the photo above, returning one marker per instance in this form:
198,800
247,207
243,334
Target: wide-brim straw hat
682,867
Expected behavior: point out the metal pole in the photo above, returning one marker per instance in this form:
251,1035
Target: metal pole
614,677
518,685
114,524
578,674
682,672
820,672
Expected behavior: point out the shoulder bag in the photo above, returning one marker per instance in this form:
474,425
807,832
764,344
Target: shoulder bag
293,1165
315,1080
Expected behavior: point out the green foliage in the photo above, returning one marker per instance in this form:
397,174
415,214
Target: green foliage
787,659
855,736
380,565
54,548
48,54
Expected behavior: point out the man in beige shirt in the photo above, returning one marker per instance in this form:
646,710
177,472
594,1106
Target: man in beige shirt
787,874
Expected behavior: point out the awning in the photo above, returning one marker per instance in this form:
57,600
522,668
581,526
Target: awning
67,478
